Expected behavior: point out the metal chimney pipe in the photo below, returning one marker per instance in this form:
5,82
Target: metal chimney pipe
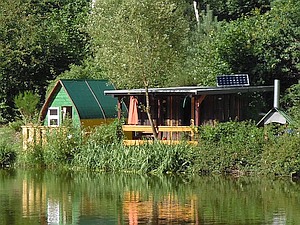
276,93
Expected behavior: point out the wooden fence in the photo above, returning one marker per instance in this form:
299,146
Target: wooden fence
36,135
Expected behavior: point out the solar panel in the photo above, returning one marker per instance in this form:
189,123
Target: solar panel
233,80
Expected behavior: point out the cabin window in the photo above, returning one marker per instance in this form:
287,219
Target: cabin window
66,112
53,116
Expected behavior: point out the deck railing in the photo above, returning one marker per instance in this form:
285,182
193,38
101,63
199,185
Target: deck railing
36,135
169,134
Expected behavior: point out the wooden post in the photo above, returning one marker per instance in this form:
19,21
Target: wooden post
197,109
25,137
193,110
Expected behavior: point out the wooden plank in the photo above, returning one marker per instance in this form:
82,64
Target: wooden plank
141,128
167,142
175,129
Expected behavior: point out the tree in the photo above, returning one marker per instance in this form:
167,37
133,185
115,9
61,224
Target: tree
27,103
291,101
139,40
265,46
139,43
38,41
233,9
203,62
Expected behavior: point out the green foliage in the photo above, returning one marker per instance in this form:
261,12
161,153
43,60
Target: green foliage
87,70
282,155
138,41
265,46
61,146
105,134
32,157
203,62
38,41
8,147
153,158
16,125
231,146
233,9
27,103
292,101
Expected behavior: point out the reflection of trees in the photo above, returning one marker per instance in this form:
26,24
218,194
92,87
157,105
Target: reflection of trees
134,199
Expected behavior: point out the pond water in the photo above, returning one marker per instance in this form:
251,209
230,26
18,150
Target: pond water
47,197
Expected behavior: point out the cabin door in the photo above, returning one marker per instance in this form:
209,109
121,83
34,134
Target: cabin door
66,113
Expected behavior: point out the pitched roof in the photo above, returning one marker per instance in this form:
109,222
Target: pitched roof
275,115
88,98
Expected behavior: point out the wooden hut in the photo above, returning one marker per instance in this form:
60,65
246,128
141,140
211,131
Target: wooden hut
175,110
82,101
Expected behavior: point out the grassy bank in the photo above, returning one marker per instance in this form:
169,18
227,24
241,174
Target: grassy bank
233,147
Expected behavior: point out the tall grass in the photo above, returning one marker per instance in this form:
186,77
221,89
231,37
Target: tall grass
149,158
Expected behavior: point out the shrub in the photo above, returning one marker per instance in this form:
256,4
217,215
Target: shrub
32,157
106,134
27,105
282,155
231,146
8,147
291,101
61,145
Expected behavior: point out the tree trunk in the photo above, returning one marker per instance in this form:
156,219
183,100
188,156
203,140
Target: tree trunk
196,11
147,109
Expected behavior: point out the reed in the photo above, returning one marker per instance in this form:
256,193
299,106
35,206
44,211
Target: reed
150,158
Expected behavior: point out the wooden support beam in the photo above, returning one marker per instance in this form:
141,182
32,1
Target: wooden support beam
119,107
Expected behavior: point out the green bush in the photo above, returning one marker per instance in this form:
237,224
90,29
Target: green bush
61,145
32,157
8,147
106,134
282,155
231,146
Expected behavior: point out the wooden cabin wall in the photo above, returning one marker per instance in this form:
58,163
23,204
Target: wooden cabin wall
143,117
176,110
61,99
222,108
167,110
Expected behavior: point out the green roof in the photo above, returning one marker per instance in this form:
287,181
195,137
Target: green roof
88,98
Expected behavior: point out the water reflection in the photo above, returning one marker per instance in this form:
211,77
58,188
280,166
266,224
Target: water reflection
36,197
